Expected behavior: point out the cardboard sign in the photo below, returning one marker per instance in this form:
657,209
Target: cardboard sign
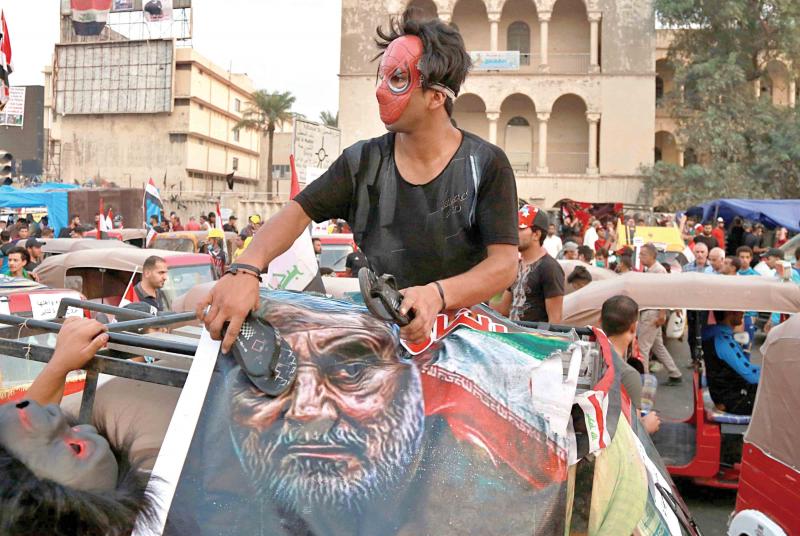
45,306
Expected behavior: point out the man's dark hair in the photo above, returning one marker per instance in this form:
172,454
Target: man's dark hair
5,236
579,273
22,251
587,253
71,218
23,225
444,60
151,262
736,262
618,314
744,249
542,234
316,240
625,260
212,215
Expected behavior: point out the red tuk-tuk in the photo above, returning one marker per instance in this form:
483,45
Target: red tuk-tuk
692,447
768,497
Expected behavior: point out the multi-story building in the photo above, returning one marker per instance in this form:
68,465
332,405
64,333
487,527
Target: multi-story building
179,130
574,103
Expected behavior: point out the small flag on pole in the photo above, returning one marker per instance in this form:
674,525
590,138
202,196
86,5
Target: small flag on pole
6,66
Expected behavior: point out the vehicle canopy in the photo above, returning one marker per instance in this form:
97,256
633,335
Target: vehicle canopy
775,421
770,212
59,246
692,291
79,270
598,274
190,241
133,236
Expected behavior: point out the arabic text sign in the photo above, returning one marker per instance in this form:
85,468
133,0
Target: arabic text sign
495,61
14,112
314,146
45,306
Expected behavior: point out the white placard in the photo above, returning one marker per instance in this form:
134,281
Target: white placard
13,114
45,306
4,308
313,173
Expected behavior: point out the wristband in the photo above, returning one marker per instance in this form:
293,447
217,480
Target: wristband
441,295
248,269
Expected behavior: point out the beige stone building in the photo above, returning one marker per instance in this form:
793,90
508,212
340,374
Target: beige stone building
576,116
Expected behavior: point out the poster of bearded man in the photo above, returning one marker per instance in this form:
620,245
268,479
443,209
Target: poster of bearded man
372,439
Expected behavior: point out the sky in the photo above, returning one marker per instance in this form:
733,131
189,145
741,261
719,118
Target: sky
284,45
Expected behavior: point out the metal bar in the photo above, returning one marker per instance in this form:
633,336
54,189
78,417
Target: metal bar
99,308
140,341
152,322
582,332
101,364
87,399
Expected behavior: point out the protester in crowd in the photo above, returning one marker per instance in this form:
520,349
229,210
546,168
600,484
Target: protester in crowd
735,237
242,242
700,263
796,266
602,240
317,243
570,251
354,263
601,258
553,242
707,237
611,236
586,254
719,233
537,295
17,260
5,246
650,335
230,227
716,258
175,222
204,223
592,234
192,224
212,220
619,318
732,378
78,232
579,278
745,255
253,225
781,236
154,276
23,233
34,248
756,241
624,264
428,59
216,248
74,222
47,232
731,266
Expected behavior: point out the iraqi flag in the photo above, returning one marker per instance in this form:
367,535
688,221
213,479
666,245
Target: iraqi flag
6,67
152,202
89,16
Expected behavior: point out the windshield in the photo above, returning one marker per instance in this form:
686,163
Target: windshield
182,278
173,244
334,256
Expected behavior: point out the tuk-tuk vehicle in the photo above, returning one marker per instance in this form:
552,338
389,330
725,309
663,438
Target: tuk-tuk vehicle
105,275
335,249
768,496
133,237
692,448
60,246
190,242
598,273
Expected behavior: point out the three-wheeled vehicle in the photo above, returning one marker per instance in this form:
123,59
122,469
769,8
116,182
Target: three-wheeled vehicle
105,275
60,246
768,495
190,242
692,448
134,237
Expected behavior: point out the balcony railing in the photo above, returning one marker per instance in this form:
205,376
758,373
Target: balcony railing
560,162
530,62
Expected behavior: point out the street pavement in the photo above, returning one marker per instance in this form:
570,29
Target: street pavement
709,506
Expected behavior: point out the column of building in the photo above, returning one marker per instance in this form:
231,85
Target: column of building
543,118
544,38
593,118
594,40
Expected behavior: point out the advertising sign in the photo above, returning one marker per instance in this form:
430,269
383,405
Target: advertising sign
13,114
483,60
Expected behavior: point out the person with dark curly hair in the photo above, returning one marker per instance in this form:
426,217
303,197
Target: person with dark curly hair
59,478
429,203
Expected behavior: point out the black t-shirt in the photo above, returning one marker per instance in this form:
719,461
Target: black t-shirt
419,233
709,241
536,282
156,301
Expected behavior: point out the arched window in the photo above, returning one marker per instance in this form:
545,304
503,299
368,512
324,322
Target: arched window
658,156
518,121
519,38
659,89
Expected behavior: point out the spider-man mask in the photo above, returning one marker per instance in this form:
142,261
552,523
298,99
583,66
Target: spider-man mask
399,76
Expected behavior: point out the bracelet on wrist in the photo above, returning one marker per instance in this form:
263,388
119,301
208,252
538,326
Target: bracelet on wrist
441,295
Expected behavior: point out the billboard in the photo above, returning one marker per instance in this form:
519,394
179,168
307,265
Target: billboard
495,61
13,115
315,147
115,77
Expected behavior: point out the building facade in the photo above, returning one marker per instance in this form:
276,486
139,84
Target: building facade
576,116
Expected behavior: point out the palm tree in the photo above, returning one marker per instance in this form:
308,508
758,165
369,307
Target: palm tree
328,119
265,113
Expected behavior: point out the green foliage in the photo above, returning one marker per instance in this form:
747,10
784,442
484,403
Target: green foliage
329,119
747,147
265,112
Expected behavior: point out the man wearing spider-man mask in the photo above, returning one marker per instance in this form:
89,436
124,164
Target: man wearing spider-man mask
428,202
